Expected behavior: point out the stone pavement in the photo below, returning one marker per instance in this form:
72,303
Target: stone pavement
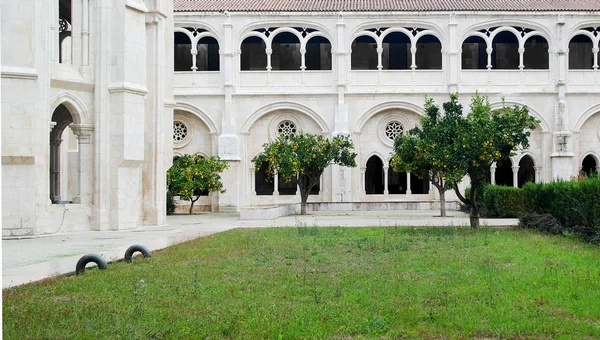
31,259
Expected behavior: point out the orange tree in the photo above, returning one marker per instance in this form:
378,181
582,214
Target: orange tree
305,156
424,151
192,174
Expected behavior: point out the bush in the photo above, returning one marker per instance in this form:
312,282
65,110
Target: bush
574,204
542,222
502,201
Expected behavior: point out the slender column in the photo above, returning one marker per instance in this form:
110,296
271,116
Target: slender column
363,170
84,138
521,53
269,51
303,60
385,180
413,53
489,51
538,174
515,170
194,52
595,52
276,184
408,189
55,169
252,181
379,57
493,173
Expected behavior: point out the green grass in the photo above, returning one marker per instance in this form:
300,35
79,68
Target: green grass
308,282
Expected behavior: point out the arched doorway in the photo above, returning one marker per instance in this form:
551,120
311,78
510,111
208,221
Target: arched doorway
526,171
504,174
374,181
589,165
64,158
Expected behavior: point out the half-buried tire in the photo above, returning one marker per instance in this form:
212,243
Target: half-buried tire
135,248
85,259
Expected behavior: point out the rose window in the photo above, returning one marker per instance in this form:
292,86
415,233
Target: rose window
286,128
180,132
393,130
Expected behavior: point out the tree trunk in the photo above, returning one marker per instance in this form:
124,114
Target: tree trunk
474,211
193,201
443,203
303,199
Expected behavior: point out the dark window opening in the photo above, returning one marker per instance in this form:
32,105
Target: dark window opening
318,54
536,54
526,171
207,58
589,165
263,183
287,188
286,54
474,54
581,56
505,53
183,52
429,53
65,42
396,52
254,56
418,186
374,180
364,53
62,118
504,174
396,182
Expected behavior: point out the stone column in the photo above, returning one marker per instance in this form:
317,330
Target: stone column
275,184
453,55
55,169
521,54
363,184
515,170
538,174
408,189
493,173
379,61
413,53
86,157
385,180
253,181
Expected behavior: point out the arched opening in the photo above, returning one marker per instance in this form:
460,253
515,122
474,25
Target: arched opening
65,43
287,188
581,56
504,174
526,171
589,165
254,55
263,185
536,53
64,158
474,54
429,53
396,182
396,52
318,54
418,186
364,53
286,54
505,51
374,181
182,52
207,58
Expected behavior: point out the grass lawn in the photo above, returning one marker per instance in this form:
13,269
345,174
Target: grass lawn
309,282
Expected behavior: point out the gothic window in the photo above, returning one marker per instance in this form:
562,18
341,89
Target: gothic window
526,171
374,181
207,58
474,54
182,52
393,129
536,53
589,165
364,53
429,53
254,56
286,128
286,52
581,56
396,53
64,32
318,54
505,51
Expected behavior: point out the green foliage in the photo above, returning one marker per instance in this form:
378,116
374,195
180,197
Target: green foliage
574,204
192,174
305,156
502,201
170,203
326,283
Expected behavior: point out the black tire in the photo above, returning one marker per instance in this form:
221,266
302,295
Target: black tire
85,259
135,248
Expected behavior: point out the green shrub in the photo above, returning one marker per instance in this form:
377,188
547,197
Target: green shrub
502,201
574,204
542,222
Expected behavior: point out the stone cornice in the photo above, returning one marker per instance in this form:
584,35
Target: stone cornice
19,72
136,89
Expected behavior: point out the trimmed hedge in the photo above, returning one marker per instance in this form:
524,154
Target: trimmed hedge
575,205
502,201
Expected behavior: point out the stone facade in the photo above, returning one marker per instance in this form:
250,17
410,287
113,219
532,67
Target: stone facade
97,97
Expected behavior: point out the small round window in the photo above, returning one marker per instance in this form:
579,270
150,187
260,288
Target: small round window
393,129
286,128
180,132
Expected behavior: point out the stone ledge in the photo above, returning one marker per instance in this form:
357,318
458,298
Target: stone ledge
380,206
269,212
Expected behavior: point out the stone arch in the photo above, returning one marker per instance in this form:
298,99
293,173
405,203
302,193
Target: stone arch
587,114
589,169
526,172
398,105
384,159
536,114
374,175
284,106
247,30
74,105
430,28
539,29
196,111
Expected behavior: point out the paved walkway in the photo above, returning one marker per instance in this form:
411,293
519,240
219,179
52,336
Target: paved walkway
31,259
